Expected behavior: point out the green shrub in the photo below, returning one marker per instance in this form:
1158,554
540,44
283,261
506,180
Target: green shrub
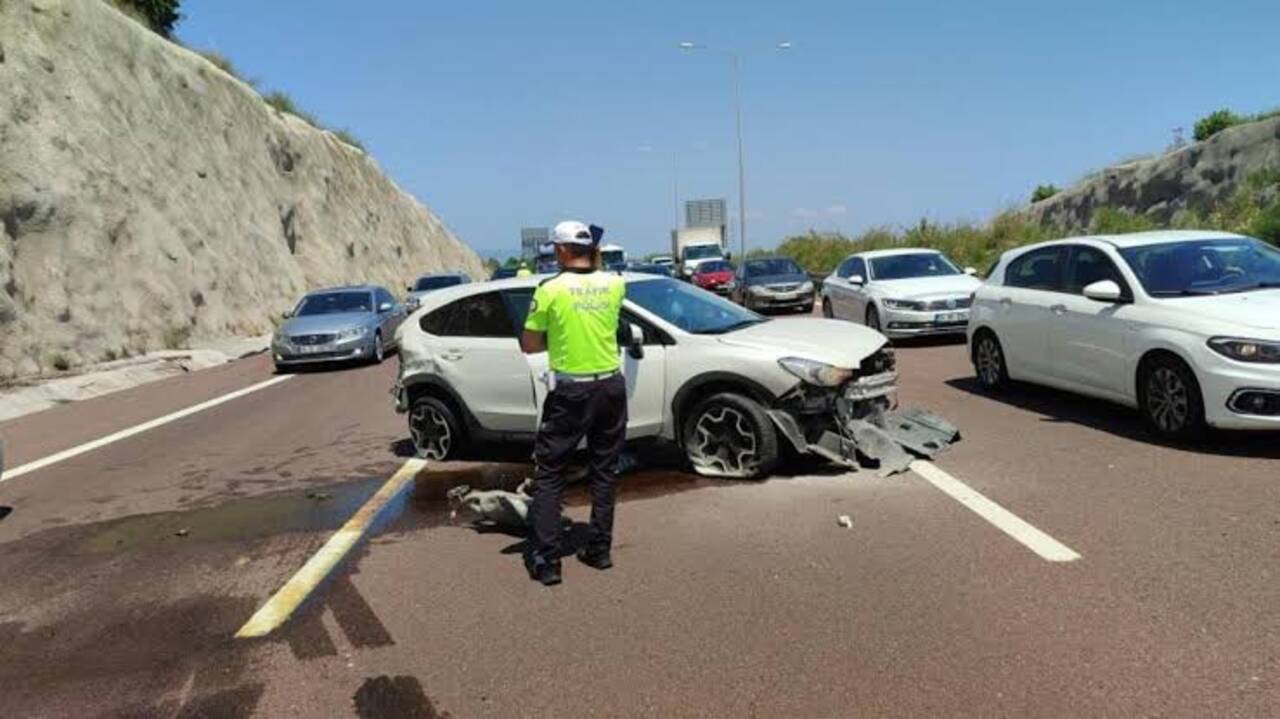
1212,124
159,15
1266,224
1114,221
60,362
1044,192
176,337
346,136
281,101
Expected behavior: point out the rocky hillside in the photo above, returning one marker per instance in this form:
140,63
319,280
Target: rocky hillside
1194,177
149,199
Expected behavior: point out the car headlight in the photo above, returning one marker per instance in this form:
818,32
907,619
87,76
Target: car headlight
1247,350
352,333
806,287
758,290
904,305
730,285
815,372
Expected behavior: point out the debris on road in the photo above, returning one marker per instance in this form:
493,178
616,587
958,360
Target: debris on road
845,521
182,532
319,496
498,507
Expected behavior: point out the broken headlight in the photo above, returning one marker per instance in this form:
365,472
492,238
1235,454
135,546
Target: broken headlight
814,372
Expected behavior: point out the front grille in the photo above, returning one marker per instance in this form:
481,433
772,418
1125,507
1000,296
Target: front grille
882,361
951,303
784,288
312,339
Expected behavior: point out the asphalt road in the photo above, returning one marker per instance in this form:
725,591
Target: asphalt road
128,569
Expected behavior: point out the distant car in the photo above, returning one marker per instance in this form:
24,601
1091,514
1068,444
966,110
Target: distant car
432,282
503,273
902,293
714,275
645,268
664,260
773,283
338,324
1184,326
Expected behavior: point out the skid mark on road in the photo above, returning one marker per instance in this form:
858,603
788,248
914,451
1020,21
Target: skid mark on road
137,429
1028,536
320,566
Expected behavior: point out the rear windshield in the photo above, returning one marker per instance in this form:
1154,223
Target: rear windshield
437,282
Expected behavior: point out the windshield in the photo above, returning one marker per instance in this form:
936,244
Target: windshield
332,303
689,308
766,268
916,264
611,258
1204,267
435,283
503,272
715,266
702,252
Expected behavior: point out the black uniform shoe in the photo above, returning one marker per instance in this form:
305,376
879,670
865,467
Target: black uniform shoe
595,558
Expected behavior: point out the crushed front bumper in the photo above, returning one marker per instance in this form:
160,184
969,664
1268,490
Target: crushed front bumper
859,426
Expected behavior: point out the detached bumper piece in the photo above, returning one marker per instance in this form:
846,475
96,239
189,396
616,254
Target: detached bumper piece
887,441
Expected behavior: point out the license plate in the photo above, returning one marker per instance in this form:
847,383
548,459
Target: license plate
951,317
785,296
313,349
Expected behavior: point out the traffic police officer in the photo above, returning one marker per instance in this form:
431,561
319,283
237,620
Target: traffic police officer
574,317
523,270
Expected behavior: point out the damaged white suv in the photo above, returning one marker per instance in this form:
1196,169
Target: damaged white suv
724,383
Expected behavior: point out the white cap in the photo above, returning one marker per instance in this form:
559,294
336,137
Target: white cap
572,232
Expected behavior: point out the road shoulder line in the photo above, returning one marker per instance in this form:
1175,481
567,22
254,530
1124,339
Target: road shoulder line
1028,536
289,597
136,429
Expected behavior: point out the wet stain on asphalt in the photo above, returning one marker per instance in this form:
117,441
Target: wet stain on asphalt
399,697
244,518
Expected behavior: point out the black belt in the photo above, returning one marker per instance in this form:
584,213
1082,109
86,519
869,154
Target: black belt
566,377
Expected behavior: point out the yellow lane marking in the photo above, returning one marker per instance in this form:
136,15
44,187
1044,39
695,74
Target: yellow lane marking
284,602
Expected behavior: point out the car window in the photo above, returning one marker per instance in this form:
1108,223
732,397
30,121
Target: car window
384,297
1037,270
438,282
518,302
1089,265
1196,267
330,303
483,315
691,309
916,264
857,266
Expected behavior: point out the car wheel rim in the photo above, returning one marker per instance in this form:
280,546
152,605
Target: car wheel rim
377,347
725,443
989,362
1168,400
430,432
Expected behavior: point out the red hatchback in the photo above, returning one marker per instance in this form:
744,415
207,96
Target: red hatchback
714,275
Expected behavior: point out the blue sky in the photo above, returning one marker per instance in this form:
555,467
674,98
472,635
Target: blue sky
503,114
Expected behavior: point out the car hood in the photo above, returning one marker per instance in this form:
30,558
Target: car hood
928,287
795,279
1259,309
721,276
325,324
838,343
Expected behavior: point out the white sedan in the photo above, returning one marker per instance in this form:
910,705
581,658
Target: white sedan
901,293
1184,326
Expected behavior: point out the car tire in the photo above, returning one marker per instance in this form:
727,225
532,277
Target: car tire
729,435
827,311
434,429
988,361
379,350
1169,398
873,318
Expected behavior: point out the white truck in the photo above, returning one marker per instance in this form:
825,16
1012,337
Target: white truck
692,246
613,258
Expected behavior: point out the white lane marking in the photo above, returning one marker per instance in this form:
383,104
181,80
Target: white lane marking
136,429
1004,520
282,604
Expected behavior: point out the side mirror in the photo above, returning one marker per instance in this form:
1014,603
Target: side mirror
384,307
1104,291
635,347
857,280
287,314
971,271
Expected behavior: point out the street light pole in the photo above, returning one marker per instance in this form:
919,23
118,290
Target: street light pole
742,175
735,62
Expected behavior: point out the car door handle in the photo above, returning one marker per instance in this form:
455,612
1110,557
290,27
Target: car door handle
1058,309
451,355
